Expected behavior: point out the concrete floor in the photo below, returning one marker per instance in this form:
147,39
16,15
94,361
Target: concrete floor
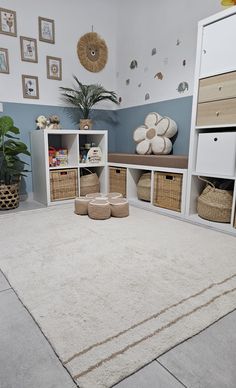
28,361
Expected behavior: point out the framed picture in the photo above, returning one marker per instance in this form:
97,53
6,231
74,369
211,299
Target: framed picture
54,68
28,48
4,61
7,22
46,30
30,86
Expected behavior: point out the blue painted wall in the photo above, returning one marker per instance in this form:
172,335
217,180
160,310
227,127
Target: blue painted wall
120,124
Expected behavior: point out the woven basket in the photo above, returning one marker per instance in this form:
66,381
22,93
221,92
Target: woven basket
9,196
168,190
63,184
144,187
215,204
119,207
117,179
81,205
89,183
99,209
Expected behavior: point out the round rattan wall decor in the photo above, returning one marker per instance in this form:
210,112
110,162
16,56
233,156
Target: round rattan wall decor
92,52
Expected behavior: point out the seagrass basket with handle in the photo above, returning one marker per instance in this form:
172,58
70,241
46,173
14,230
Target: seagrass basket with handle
215,204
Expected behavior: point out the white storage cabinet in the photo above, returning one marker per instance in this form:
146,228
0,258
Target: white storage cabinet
212,151
72,140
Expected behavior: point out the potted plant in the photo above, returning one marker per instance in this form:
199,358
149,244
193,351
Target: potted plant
11,167
84,97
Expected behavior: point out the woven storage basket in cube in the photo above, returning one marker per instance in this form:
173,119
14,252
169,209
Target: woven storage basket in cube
144,187
63,184
168,190
117,179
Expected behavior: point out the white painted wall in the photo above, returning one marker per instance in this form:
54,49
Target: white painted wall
72,18
144,25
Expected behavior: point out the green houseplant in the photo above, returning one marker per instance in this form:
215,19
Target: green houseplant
11,166
85,97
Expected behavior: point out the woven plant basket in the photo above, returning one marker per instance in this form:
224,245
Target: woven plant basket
144,187
215,204
89,184
9,196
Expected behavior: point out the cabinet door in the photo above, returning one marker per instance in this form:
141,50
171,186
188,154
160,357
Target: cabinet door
218,47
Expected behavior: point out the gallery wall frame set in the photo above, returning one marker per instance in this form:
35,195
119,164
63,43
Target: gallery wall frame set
28,48
46,30
4,61
8,22
30,86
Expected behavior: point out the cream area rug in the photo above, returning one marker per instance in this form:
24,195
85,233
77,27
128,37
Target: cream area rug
113,295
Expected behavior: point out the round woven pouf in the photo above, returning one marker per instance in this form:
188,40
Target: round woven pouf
81,205
94,195
119,207
114,195
99,209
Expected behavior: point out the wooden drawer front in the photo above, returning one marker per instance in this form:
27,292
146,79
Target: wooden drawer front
117,179
217,88
217,112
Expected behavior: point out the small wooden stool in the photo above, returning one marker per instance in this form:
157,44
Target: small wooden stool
81,205
99,209
119,207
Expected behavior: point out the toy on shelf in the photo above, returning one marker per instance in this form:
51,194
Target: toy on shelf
58,157
89,153
52,122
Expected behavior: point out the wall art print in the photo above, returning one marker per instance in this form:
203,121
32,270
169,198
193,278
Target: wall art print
4,61
46,30
8,22
54,68
28,48
30,86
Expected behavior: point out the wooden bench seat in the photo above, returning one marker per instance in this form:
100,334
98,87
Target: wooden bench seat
169,161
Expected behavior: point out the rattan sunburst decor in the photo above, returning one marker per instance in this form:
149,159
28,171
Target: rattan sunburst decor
92,52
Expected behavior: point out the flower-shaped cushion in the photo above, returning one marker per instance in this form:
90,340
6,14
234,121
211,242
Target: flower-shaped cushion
154,136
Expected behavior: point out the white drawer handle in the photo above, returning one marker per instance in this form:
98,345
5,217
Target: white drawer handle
217,114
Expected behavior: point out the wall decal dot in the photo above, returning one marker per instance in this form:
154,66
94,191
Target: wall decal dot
147,96
133,64
182,87
120,99
178,42
140,84
184,62
154,51
159,75
127,81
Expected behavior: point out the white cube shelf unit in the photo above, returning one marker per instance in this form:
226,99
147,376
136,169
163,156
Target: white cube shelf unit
212,151
133,174
72,140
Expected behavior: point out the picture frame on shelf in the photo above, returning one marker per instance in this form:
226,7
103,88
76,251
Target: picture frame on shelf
8,22
4,61
54,68
30,86
28,48
46,30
